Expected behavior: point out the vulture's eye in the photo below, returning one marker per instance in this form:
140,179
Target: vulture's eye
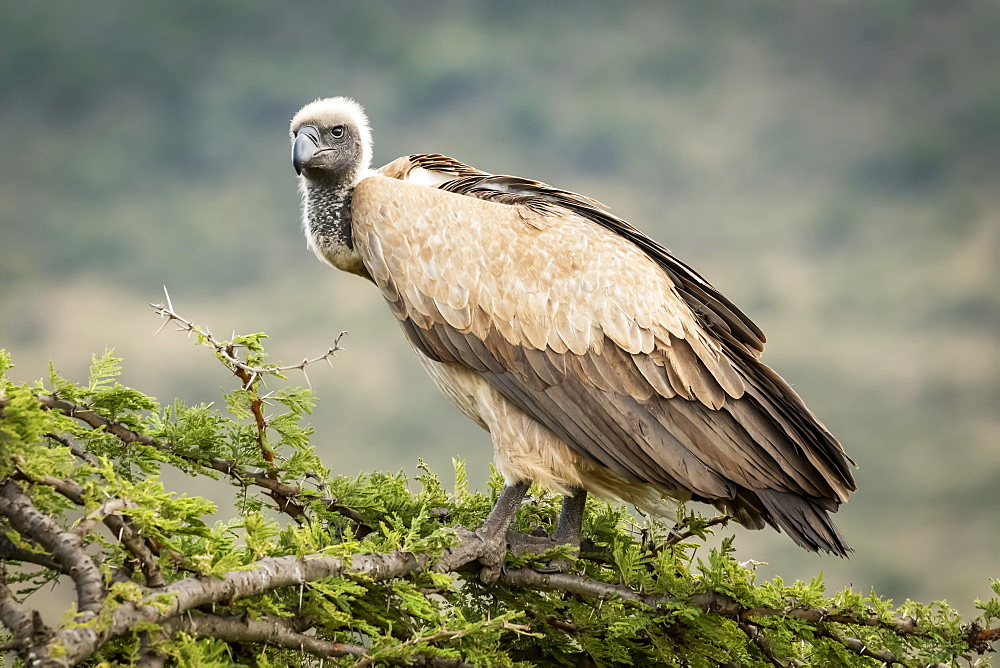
337,131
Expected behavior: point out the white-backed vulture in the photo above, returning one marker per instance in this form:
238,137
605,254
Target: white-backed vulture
597,360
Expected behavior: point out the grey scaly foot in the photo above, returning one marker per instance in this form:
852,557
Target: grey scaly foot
566,533
569,529
488,544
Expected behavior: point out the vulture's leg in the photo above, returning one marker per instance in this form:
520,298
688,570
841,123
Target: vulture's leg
571,518
488,543
496,525
569,529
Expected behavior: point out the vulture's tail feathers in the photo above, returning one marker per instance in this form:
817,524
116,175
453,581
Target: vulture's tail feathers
805,520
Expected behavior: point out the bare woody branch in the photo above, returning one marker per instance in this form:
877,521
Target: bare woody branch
67,550
270,573
263,630
65,546
226,350
11,552
860,648
281,634
100,514
760,641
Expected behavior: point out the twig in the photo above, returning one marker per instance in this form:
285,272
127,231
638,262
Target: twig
99,514
678,537
901,625
109,513
757,637
225,350
261,630
256,408
858,647
280,633
76,450
67,488
11,552
285,495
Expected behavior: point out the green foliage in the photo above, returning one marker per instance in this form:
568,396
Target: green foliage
427,615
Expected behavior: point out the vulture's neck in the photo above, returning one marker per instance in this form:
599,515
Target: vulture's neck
326,219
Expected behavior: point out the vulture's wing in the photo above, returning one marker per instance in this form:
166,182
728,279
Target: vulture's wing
600,334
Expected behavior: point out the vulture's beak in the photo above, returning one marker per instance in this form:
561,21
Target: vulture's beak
305,146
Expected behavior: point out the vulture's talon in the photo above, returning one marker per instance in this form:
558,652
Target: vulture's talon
521,544
554,568
474,546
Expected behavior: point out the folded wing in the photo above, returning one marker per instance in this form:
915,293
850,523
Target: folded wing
600,334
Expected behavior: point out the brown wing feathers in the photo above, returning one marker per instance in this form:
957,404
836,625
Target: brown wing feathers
631,385
539,197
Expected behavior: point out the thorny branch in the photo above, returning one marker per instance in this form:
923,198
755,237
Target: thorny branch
248,375
226,351
257,409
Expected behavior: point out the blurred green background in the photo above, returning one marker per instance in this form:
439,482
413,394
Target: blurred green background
832,167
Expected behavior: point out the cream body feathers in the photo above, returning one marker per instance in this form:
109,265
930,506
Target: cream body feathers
592,355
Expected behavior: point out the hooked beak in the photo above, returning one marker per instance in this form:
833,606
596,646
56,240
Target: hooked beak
305,146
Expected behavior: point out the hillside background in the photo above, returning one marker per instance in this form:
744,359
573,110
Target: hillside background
834,168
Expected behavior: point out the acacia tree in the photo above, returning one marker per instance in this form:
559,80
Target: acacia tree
316,567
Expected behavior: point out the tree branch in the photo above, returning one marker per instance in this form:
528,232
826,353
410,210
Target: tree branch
269,574
74,448
262,630
281,634
99,514
66,549
11,552
65,546
174,601
109,513
677,537
285,495
757,637
860,648
726,606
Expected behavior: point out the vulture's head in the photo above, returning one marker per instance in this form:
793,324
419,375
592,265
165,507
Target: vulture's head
331,152
331,142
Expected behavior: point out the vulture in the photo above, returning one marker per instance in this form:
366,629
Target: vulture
597,361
